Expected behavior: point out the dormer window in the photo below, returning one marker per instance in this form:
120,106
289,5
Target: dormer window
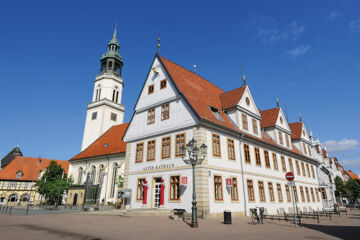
281,120
19,174
216,113
244,122
247,100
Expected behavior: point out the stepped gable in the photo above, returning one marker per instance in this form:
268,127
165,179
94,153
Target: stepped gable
269,117
109,143
296,130
231,98
30,168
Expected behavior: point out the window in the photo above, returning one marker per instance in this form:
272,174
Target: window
93,115
288,196
25,198
234,190
101,174
317,194
151,89
291,165
163,84
180,142
304,147
110,65
261,191
330,179
308,170
113,180
271,192
281,141
287,140
13,198
218,188
267,159
13,184
175,188
283,164
247,153
297,167
113,117
250,188
309,150
303,169
165,111
216,145
140,189
139,152
307,194
19,174
97,95
302,194
80,174
257,157
278,186
115,95
295,193
216,113
255,127
312,171
150,150
323,194
312,194
151,116
244,122
165,148
276,167
92,175
231,149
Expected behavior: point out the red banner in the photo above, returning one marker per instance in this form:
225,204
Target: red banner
184,180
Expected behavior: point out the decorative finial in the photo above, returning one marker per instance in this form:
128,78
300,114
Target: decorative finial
158,45
277,103
243,76
300,118
115,29
195,68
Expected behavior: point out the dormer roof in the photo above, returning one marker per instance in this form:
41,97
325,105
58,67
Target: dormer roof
231,98
296,130
269,117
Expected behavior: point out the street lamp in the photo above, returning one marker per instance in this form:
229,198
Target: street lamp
196,156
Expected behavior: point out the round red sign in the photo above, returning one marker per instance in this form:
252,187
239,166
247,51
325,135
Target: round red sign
289,176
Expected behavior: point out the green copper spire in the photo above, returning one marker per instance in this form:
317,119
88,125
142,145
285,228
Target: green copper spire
114,39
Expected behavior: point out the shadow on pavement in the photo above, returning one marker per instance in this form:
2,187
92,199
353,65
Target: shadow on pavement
342,232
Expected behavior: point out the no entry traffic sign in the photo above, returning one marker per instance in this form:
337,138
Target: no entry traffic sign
289,176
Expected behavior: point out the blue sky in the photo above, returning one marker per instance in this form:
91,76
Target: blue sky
305,53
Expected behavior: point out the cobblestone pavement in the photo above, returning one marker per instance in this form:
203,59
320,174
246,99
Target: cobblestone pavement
92,227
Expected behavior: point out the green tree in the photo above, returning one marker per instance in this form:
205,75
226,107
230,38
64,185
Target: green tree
340,186
353,187
53,182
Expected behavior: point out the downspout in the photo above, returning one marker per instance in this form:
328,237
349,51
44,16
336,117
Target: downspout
242,173
107,180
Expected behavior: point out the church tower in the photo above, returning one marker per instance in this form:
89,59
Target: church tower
106,109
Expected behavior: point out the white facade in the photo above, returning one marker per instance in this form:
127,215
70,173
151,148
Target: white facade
183,120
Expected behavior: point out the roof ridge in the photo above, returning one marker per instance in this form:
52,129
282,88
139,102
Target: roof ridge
193,73
269,109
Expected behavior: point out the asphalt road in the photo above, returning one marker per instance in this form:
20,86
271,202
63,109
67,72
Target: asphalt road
92,227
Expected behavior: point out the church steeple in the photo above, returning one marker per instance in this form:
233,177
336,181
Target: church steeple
111,61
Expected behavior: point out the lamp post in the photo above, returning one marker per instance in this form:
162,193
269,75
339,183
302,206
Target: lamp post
196,156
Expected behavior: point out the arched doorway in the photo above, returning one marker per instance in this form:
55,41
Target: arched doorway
75,199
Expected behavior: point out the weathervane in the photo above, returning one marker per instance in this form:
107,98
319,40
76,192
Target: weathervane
277,103
243,76
300,118
195,68
158,45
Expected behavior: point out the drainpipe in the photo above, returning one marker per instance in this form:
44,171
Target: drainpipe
242,173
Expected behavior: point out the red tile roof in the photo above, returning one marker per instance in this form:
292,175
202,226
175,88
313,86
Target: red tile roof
352,175
269,117
201,94
111,142
296,129
324,153
231,98
29,166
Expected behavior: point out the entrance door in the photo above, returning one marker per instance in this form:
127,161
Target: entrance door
75,199
157,192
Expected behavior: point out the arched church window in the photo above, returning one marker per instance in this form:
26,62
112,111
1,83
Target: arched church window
113,179
110,65
80,175
101,173
25,198
92,174
13,198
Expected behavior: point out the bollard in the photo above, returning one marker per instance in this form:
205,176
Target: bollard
227,217
10,211
27,210
6,209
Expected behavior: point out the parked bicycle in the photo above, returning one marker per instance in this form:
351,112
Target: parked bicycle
257,215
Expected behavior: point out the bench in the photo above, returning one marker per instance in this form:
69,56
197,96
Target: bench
178,214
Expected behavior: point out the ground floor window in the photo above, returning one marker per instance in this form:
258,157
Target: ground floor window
323,194
250,187
307,194
271,191
295,193
218,188
234,190
312,194
317,194
13,198
140,189
25,198
175,188
278,186
302,194
288,196
261,191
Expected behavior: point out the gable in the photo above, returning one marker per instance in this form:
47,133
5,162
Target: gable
281,121
247,102
159,94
